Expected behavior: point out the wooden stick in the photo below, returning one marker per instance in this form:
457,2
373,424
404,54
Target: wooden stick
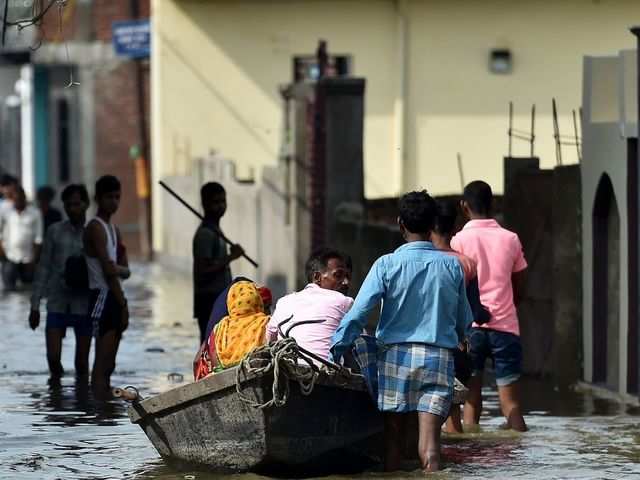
199,215
461,171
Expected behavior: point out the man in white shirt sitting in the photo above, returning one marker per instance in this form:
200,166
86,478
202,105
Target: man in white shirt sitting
21,241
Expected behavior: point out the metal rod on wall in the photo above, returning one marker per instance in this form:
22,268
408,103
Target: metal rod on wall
510,128
533,129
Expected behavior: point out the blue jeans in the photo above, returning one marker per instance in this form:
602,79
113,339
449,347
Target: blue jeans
505,349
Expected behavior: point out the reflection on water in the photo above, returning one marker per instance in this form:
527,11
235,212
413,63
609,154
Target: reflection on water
50,431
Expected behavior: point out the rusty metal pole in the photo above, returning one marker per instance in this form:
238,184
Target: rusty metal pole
633,377
145,202
636,32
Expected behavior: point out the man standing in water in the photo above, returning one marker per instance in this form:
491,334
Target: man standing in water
21,242
425,314
501,269
107,303
66,307
211,272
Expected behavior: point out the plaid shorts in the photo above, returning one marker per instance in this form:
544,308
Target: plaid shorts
407,377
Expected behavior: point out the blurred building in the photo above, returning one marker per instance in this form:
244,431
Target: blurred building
439,78
72,109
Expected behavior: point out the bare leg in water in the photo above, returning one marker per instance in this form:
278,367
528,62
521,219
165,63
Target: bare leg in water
454,421
104,364
473,405
429,441
394,435
54,351
83,346
510,405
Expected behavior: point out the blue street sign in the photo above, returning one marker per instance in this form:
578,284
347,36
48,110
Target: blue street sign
132,38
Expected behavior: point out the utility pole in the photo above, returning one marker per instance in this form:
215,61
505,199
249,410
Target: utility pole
143,168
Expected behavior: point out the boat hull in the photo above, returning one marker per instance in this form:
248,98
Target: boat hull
207,423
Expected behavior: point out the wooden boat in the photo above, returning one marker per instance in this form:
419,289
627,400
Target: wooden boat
333,429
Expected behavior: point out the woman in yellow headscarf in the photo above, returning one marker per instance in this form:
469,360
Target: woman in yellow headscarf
244,328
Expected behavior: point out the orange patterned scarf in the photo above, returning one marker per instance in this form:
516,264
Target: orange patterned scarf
244,328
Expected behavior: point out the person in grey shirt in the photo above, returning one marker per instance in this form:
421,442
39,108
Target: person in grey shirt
66,307
211,272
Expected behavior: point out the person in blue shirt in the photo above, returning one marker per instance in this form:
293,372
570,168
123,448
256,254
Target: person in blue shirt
425,314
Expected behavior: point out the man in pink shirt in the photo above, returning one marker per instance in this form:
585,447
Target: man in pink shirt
318,308
501,264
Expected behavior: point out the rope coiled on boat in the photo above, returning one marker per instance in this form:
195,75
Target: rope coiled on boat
283,359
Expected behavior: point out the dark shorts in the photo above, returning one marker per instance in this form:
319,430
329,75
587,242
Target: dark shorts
81,324
505,349
12,272
105,312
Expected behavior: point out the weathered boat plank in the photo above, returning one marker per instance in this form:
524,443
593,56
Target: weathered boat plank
207,423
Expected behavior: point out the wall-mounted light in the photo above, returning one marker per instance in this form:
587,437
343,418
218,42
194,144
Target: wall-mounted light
500,61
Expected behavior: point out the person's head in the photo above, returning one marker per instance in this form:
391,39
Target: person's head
445,223
20,198
417,215
244,299
214,199
267,299
44,197
75,199
329,268
108,191
8,185
477,200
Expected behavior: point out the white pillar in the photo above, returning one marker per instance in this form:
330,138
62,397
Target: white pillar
24,88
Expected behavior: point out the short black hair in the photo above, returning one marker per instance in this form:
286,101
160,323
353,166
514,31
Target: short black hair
107,184
319,261
417,211
479,197
210,190
20,191
75,188
46,193
446,217
6,180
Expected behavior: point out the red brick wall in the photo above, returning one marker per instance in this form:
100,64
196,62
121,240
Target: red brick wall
117,129
117,120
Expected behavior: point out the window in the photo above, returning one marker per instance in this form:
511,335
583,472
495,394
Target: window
64,130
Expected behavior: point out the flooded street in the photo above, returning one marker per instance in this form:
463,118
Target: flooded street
59,431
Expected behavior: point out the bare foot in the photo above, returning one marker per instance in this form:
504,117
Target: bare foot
432,467
433,463
516,421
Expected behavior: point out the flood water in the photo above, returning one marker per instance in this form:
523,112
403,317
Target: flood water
59,431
